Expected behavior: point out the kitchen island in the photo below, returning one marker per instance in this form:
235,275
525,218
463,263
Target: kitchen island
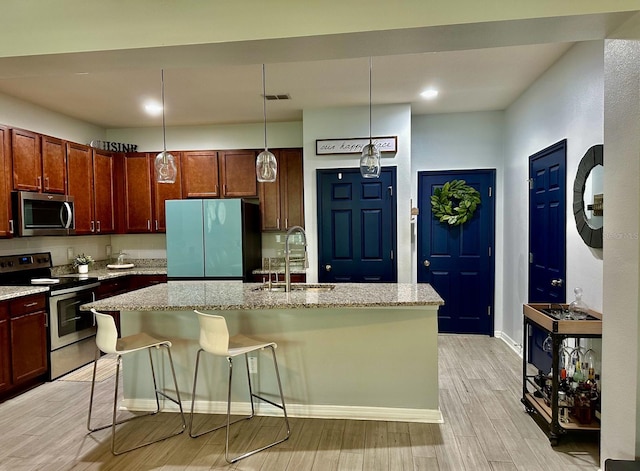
360,351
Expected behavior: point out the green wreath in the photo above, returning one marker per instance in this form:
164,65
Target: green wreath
451,193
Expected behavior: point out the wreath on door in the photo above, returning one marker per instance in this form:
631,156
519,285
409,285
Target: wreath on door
454,202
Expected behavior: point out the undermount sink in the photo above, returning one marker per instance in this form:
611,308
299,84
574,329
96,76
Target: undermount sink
296,287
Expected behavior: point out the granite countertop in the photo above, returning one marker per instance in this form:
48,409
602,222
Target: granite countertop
10,292
233,295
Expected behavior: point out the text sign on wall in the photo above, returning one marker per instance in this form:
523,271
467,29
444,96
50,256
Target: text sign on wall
354,145
113,146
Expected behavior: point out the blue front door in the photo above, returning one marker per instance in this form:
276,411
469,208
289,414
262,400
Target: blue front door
547,224
356,226
458,260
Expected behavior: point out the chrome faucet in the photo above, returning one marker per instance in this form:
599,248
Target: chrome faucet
287,255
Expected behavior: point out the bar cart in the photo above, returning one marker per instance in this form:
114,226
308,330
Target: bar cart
544,406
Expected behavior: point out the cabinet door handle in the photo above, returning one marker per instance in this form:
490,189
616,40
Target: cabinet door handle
10,226
156,225
46,183
286,223
99,229
278,223
30,304
224,190
93,226
39,181
149,225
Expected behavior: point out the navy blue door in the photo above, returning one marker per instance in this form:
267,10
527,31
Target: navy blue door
547,224
356,226
458,260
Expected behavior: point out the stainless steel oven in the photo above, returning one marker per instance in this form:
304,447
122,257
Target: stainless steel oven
71,342
71,331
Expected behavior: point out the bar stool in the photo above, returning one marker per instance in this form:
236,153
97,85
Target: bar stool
214,339
107,341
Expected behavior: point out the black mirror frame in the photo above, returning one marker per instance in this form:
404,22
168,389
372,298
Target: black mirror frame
593,157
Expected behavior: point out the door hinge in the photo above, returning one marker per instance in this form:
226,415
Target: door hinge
531,183
392,255
490,191
530,257
488,310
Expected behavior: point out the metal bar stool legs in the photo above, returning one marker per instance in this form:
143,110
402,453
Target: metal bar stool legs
233,347
135,343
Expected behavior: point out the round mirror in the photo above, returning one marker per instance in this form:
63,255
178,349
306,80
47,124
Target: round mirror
592,197
588,196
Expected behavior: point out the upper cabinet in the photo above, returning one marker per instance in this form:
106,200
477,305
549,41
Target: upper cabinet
222,174
53,165
282,202
38,162
90,182
27,160
144,208
238,173
200,174
6,223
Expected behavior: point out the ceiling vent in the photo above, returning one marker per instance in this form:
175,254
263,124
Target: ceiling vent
284,96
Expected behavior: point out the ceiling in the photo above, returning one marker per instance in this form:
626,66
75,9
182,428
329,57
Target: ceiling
200,94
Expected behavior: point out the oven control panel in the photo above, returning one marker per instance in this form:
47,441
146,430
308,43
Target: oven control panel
20,263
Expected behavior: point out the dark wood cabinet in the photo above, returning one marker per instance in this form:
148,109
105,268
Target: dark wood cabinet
6,222
27,160
138,214
23,342
200,174
80,176
282,202
90,182
104,193
54,169
238,173
163,192
144,281
5,348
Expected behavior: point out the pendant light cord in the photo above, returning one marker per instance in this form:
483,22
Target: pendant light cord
164,135
264,106
370,137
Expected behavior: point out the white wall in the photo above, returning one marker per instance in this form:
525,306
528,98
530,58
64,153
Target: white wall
240,136
565,102
389,120
464,141
21,114
621,329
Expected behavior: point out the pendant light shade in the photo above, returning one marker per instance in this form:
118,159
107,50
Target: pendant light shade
266,164
165,165
370,158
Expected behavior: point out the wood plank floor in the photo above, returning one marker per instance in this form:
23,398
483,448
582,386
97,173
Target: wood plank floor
485,428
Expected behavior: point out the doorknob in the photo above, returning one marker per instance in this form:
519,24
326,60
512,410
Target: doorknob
557,282
327,267
426,263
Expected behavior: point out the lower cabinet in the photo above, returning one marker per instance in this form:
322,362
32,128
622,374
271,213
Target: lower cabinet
23,342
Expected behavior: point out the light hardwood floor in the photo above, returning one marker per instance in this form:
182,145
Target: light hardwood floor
485,428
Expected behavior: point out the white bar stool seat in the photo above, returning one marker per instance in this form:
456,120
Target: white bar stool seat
107,341
214,339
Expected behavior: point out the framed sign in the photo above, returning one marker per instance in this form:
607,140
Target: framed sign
354,145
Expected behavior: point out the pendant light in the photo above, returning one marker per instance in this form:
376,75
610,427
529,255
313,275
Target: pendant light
370,158
266,164
165,164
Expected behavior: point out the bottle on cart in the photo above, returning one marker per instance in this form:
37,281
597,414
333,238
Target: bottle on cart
578,309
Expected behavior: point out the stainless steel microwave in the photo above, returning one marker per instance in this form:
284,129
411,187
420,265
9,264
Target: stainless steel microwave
43,214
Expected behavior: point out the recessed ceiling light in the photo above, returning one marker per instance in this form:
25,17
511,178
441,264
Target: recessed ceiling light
153,108
429,94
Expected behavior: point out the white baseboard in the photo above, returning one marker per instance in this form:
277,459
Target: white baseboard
513,345
390,414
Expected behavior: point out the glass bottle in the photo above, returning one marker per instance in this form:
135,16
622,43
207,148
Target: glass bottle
578,309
